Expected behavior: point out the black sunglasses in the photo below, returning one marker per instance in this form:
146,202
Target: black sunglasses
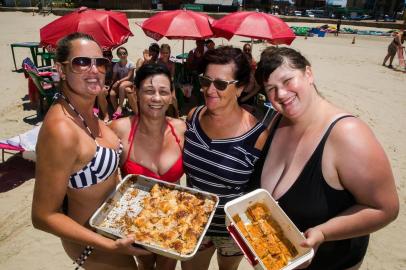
221,85
121,53
82,64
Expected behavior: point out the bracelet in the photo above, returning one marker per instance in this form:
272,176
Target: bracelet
83,257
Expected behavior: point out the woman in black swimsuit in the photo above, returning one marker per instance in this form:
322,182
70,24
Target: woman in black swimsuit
324,166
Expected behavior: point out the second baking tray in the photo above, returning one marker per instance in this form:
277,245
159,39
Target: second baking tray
121,202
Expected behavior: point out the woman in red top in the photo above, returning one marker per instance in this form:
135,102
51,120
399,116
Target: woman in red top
152,142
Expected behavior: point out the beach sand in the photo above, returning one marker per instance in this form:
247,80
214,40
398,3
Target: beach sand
349,75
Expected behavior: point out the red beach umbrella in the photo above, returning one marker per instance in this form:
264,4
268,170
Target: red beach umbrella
178,24
256,25
110,29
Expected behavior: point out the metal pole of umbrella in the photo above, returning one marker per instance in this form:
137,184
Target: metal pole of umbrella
183,49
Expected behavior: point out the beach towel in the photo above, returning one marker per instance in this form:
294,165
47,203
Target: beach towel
25,143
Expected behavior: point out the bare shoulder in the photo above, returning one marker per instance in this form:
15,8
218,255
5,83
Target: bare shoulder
190,113
178,124
121,126
355,154
350,131
57,130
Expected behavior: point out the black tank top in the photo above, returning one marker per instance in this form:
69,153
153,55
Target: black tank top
310,201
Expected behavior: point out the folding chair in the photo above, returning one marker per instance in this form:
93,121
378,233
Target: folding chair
46,89
43,82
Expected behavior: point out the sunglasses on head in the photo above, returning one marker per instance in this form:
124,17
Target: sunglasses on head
221,85
83,64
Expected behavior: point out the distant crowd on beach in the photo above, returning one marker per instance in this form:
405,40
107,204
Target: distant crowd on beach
317,160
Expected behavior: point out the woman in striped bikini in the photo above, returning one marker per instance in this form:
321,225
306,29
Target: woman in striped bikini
222,144
77,160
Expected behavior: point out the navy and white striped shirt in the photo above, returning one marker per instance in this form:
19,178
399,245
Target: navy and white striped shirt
222,166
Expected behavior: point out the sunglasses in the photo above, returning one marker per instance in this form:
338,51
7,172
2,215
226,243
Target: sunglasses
221,85
82,64
121,53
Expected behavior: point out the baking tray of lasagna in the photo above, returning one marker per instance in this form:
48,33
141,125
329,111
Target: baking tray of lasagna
265,234
165,218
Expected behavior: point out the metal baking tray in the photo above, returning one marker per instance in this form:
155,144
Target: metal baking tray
121,201
291,232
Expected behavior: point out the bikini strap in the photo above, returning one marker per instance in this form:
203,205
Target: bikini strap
174,134
57,95
134,125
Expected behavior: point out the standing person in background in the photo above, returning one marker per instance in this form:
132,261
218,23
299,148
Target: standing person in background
398,40
122,84
338,25
321,164
77,161
153,143
193,63
222,144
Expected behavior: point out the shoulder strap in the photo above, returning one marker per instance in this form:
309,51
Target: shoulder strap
196,114
328,131
134,125
174,134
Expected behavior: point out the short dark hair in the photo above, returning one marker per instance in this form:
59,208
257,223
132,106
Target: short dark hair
272,58
148,70
154,47
225,55
122,49
208,41
64,47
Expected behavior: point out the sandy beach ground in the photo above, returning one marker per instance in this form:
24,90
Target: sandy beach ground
349,75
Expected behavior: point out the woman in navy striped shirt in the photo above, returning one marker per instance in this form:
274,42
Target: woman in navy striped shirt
222,144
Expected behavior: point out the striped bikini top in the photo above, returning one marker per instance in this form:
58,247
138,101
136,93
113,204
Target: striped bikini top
103,164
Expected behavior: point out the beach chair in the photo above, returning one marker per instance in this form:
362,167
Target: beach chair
44,83
7,148
24,144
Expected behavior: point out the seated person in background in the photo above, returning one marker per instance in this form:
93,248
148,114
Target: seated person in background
153,143
122,82
164,59
151,57
210,45
145,58
193,63
102,97
247,100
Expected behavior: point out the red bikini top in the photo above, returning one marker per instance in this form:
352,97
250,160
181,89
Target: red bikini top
174,173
